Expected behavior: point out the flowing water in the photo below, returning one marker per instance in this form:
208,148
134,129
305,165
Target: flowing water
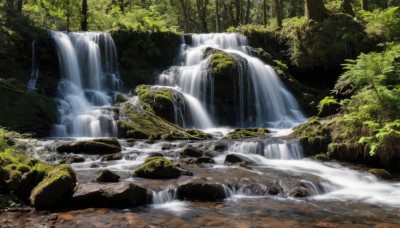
35,71
90,79
265,191
263,100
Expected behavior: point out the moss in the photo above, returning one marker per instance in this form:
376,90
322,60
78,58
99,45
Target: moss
313,136
321,157
328,106
222,63
158,168
262,55
23,168
191,152
247,133
95,146
381,173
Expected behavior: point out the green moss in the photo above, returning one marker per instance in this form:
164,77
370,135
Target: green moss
328,106
23,168
158,168
381,173
313,136
247,133
222,63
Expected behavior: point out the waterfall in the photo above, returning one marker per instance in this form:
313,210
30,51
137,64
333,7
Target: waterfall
89,72
35,71
260,98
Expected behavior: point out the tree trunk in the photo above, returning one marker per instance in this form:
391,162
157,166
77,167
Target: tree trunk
247,20
279,12
315,10
185,5
238,12
84,14
364,5
217,25
347,8
202,14
265,13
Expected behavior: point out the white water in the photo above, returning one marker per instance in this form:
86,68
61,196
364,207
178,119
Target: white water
89,73
336,182
268,104
35,71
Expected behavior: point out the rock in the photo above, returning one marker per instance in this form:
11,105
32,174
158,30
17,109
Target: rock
201,190
106,175
322,157
262,55
158,168
381,173
156,154
188,39
300,192
114,195
56,187
95,146
237,159
111,157
219,146
191,152
166,146
247,133
208,160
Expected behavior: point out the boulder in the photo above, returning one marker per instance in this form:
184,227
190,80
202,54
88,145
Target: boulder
95,146
158,168
247,133
191,152
201,190
219,146
381,173
112,157
300,192
106,175
262,55
202,160
55,188
237,159
114,195
322,157
156,154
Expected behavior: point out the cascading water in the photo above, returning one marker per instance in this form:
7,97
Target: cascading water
89,72
261,99
35,71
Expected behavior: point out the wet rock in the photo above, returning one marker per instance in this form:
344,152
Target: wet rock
322,157
159,168
188,39
381,173
209,154
94,165
166,146
237,159
300,192
156,154
56,187
191,152
114,195
247,133
111,157
95,146
106,175
219,146
201,190
202,160
262,55
274,188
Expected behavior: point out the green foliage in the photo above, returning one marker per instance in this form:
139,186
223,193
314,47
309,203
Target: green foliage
382,24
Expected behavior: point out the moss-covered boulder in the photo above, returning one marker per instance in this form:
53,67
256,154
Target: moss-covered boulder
381,173
313,136
57,187
247,133
322,157
262,55
95,146
114,195
106,175
199,190
158,168
191,152
136,121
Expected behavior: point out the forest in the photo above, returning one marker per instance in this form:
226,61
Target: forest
337,89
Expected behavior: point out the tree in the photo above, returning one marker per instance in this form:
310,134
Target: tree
315,10
185,6
347,8
364,5
84,12
202,14
278,4
264,8
217,21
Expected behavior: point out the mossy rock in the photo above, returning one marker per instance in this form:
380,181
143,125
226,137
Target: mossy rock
57,187
201,191
300,192
106,175
322,157
121,98
238,159
95,146
191,152
139,123
313,136
158,168
205,160
262,55
247,133
381,173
